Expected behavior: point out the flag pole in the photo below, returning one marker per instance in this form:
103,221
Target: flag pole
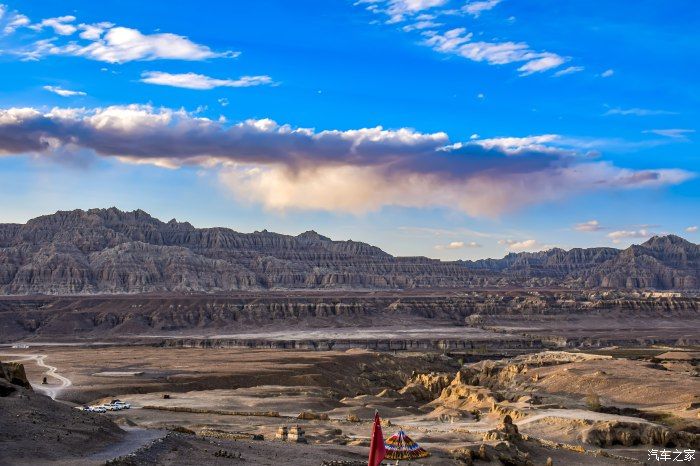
377,450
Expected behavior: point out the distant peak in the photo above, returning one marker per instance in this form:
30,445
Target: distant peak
312,235
666,240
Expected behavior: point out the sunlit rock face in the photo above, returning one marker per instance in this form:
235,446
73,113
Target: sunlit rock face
110,251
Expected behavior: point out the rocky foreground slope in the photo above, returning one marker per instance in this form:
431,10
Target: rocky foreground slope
110,251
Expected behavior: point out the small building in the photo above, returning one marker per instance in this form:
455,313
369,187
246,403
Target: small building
296,434
281,433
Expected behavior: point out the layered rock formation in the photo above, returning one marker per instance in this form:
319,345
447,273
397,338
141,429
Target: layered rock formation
663,262
101,316
110,251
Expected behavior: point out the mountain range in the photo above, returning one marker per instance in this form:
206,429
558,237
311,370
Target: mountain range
103,251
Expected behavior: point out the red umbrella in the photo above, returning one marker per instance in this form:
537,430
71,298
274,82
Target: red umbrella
377,451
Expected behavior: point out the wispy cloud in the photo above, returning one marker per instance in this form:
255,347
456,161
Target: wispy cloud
200,81
620,235
459,42
568,70
607,73
637,111
591,225
94,31
12,20
358,170
458,245
476,8
121,45
529,245
104,42
420,25
444,232
61,25
399,10
63,92
692,229
421,14
675,133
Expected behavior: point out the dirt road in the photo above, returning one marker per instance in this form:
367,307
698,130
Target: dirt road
51,371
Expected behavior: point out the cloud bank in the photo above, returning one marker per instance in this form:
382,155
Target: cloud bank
357,170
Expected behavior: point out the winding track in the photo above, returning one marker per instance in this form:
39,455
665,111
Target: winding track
51,371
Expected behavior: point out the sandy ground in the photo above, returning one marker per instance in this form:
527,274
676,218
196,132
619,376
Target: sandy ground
227,385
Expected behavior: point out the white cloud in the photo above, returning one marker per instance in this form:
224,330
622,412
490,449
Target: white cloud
675,133
514,145
442,232
94,31
637,111
63,92
60,25
115,44
420,25
200,81
607,73
692,229
546,62
476,8
103,41
15,21
569,70
121,45
619,235
399,9
591,225
458,245
358,170
530,245
223,102
459,42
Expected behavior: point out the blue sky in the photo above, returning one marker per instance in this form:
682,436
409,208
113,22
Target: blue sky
505,125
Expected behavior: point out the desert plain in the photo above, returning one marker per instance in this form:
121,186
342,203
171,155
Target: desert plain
604,388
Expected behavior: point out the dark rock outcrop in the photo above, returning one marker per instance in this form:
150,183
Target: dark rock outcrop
12,375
